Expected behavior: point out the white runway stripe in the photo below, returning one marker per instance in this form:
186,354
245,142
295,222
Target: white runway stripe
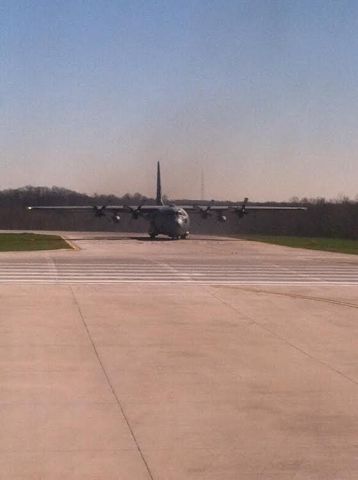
167,281
171,274
204,274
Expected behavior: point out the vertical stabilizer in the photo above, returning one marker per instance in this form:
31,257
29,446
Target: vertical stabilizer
159,199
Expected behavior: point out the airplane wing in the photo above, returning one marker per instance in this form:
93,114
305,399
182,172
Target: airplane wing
137,211
240,210
101,210
235,208
111,208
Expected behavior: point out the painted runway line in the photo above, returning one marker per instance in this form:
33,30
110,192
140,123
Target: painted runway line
204,274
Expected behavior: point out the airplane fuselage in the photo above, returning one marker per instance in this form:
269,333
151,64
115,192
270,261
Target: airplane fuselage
169,220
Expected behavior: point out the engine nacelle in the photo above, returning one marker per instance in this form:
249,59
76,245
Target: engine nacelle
222,218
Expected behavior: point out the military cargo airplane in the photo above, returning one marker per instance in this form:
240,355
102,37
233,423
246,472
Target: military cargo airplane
170,220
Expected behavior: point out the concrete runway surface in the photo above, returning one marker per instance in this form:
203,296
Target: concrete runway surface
200,359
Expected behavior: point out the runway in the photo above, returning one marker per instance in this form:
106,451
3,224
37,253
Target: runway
206,359
163,266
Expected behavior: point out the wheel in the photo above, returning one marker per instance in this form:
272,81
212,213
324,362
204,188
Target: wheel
152,235
184,236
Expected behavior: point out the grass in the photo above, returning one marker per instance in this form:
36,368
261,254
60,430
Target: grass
340,245
16,242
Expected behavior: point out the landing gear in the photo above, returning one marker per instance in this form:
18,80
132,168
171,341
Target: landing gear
152,231
184,236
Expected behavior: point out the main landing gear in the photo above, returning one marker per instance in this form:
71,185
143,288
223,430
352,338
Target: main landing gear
181,237
153,234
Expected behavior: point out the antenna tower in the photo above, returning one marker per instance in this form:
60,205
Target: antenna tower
202,190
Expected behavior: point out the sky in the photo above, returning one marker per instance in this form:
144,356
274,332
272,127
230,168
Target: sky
260,95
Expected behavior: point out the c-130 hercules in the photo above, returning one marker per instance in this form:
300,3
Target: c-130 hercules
170,220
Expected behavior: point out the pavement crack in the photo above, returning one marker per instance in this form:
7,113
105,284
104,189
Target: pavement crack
120,406
252,321
299,296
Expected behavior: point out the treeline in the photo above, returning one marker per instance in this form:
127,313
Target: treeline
333,218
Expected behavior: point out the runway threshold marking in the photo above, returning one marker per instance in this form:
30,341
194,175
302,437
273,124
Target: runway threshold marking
204,274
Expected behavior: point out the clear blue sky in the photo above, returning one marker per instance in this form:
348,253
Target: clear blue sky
263,95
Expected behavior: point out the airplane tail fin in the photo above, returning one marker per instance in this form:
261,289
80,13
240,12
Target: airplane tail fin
159,200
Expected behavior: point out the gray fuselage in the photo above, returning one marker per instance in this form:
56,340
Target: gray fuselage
169,220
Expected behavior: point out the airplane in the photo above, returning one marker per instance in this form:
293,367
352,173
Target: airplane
170,220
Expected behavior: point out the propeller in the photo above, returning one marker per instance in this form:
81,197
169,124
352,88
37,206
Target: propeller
205,213
241,212
135,212
99,211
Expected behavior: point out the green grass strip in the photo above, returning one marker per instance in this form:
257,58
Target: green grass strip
16,242
340,245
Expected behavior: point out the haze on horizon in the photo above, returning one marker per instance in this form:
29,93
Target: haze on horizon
261,95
